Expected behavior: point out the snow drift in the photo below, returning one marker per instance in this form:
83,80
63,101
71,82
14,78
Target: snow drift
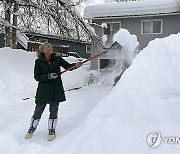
129,43
145,100
16,76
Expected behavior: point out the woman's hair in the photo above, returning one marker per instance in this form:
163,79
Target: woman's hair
41,49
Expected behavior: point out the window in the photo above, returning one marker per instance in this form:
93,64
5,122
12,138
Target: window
88,48
115,27
112,28
106,63
157,27
151,26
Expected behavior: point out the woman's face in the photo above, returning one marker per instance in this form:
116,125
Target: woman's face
48,49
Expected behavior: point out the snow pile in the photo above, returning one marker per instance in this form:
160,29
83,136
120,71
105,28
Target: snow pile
122,56
75,78
17,76
131,8
145,100
129,43
104,37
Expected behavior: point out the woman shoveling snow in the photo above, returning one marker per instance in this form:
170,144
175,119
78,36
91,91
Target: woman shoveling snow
50,88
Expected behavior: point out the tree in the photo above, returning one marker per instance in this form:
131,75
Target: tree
55,17
7,22
15,9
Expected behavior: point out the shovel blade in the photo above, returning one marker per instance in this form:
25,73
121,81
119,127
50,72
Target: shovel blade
114,46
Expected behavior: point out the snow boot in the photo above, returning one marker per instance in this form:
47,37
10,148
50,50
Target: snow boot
33,126
51,127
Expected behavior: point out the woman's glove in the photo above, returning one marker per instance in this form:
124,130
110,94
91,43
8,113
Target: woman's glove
78,64
52,76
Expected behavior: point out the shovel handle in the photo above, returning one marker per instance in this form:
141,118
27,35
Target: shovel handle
93,57
69,69
115,45
74,67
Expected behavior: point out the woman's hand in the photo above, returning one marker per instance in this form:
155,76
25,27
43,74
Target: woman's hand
52,76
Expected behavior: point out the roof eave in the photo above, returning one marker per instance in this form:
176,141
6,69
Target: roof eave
134,16
56,37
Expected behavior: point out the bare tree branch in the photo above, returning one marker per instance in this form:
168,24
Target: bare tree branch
56,18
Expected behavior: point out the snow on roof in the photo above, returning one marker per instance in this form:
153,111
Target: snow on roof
144,7
22,39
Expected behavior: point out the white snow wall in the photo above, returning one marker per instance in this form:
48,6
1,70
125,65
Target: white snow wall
16,76
146,99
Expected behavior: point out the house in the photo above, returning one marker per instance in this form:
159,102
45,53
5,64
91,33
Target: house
147,19
61,45
31,42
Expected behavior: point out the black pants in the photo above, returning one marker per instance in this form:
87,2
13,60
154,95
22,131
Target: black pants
53,109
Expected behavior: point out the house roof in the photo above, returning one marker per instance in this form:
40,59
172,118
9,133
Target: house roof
55,37
134,8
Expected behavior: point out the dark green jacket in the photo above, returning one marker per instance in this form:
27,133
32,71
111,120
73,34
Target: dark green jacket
49,90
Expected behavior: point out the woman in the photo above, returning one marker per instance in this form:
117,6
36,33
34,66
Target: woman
50,88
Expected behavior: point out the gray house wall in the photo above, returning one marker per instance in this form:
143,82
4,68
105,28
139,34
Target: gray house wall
170,25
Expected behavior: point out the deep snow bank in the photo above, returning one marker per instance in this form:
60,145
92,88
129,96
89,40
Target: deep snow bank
16,76
146,99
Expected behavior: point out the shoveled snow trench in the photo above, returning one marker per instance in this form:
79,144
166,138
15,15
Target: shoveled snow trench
15,119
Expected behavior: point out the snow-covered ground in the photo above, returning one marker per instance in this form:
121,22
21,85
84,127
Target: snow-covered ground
17,83
97,119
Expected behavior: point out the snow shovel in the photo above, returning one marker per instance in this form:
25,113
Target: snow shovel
114,46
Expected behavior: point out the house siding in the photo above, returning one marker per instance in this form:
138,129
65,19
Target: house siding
170,25
73,47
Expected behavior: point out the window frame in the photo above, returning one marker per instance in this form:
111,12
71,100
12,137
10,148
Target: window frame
151,28
107,58
88,45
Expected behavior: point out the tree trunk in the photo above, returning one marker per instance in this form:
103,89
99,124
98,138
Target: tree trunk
14,29
7,27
